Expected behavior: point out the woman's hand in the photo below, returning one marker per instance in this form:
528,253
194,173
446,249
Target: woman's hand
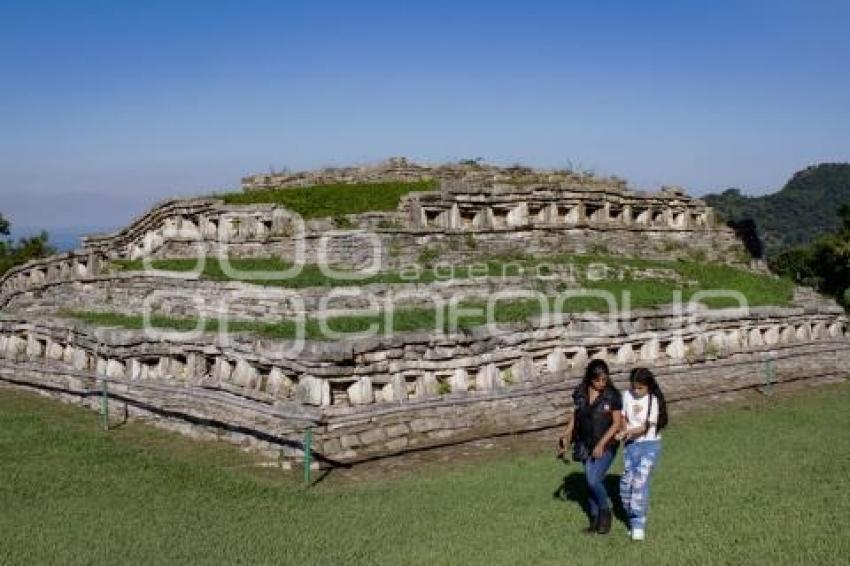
598,451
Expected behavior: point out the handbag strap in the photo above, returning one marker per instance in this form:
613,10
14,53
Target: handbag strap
648,413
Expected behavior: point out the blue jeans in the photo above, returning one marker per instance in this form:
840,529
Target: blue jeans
639,459
595,470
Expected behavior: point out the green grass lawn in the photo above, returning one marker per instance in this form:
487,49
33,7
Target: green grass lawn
764,483
321,201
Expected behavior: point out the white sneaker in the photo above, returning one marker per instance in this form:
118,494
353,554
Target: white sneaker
638,534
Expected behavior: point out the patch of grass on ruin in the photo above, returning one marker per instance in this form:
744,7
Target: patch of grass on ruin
240,269
321,201
741,484
759,289
403,320
469,314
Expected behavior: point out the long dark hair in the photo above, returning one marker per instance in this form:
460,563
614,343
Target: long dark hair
596,368
645,377
581,394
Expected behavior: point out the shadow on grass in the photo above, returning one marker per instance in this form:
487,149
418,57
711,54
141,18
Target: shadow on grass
574,489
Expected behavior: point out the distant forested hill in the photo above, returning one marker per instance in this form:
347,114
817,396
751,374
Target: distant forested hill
806,207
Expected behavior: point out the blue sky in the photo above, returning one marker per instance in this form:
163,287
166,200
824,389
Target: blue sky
107,107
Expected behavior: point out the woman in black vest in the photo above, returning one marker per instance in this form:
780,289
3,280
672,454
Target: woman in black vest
592,429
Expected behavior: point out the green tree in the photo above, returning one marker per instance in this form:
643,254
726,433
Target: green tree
15,253
844,215
825,264
831,260
796,263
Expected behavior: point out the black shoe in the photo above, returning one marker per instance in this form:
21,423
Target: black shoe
603,526
593,527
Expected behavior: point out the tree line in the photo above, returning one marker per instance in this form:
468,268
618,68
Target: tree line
14,253
794,216
824,264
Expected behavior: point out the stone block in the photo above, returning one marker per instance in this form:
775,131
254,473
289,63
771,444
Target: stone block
313,391
459,380
395,390
245,375
523,370
372,436
360,392
488,378
424,425
350,441
557,362
397,430
396,444
427,385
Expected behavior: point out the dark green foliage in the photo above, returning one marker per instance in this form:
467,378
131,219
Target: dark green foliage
320,201
844,216
825,264
804,209
797,264
15,253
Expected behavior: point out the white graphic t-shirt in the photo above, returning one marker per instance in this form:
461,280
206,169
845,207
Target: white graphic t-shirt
634,412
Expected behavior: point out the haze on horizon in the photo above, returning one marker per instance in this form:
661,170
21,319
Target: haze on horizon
109,107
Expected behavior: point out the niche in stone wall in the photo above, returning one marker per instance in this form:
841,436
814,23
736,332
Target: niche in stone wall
263,378
500,218
467,219
598,353
697,219
432,218
804,333
39,348
178,366
640,214
205,367
149,368
593,212
663,353
570,214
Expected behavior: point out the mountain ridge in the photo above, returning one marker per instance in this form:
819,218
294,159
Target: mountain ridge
803,209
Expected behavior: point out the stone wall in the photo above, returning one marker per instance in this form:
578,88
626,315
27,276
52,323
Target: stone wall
383,395
404,170
134,293
466,207
547,218
461,223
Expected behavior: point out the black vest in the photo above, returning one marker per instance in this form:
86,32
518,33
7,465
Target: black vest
594,420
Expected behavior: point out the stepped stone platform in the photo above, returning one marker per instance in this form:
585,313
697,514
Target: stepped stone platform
368,397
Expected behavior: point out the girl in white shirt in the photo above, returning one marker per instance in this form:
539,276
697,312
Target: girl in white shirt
644,414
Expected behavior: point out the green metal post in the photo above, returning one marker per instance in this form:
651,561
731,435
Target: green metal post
308,454
104,404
